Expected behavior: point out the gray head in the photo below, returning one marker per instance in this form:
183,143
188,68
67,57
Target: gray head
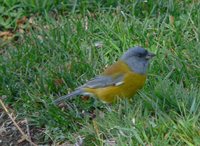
137,59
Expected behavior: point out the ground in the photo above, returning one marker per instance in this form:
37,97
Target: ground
49,48
10,135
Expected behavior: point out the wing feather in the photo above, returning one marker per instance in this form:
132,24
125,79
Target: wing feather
104,81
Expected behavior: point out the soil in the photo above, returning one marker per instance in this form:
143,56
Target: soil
10,135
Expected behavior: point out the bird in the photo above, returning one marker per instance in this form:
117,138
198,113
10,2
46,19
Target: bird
121,80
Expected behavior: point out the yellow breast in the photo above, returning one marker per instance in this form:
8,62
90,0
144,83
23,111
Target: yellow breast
131,83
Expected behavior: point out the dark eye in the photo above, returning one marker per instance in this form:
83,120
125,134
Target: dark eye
142,54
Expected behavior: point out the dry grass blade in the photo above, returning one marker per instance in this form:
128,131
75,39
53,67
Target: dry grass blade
16,125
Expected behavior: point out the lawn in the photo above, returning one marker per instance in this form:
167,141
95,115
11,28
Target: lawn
50,48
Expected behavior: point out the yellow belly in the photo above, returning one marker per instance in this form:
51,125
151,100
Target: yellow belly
132,82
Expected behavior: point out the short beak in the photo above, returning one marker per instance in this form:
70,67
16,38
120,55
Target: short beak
150,55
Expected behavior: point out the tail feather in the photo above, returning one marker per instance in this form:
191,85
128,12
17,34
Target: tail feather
68,96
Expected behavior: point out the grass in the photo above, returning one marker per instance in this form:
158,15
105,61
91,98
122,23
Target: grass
61,51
